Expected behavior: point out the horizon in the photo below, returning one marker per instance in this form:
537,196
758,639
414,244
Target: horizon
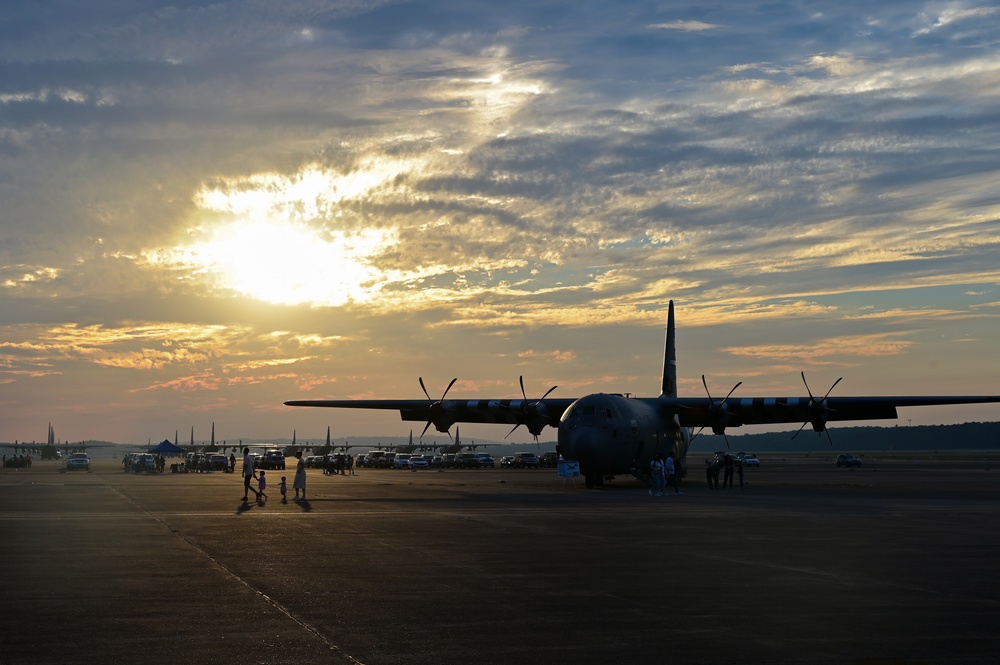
372,440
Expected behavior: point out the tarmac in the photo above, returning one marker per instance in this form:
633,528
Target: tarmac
807,564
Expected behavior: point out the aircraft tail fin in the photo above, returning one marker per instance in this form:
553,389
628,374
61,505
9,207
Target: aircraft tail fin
668,387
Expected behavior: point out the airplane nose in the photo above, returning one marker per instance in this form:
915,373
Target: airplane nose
581,444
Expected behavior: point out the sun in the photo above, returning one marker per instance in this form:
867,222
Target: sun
274,237
288,263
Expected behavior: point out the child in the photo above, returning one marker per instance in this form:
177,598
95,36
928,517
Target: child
261,484
284,491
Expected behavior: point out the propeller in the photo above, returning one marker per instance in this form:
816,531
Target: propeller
819,412
437,410
718,413
533,415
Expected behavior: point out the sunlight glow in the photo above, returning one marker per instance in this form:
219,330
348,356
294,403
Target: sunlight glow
288,264
285,265
277,244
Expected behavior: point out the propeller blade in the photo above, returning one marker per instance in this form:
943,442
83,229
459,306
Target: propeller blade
811,398
448,388
547,393
832,387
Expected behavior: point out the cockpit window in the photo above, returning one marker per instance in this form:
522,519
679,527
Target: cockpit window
606,410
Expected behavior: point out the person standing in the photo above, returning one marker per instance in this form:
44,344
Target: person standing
670,471
261,486
656,471
739,470
727,478
300,476
248,475
712,468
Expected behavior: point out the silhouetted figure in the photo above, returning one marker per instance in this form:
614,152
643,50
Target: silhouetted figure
248,475
727,479
299,483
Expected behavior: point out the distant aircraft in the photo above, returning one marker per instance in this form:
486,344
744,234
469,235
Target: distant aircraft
408,447
610,434
457,446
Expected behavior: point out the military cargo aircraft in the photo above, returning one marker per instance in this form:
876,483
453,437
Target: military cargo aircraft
611,434
457,446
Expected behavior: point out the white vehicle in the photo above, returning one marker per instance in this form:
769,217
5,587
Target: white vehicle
78,462
419,462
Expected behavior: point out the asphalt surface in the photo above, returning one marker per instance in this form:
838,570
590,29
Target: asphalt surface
807,564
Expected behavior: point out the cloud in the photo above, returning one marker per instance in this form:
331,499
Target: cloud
851,346
686,26
954,13
249,198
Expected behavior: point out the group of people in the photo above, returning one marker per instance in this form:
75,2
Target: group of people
338,464
17,461
143,463
728,465
250,474
663,472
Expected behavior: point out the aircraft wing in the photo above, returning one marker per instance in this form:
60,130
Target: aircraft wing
690,411
450,411
704,412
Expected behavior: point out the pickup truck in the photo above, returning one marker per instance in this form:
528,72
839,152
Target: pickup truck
273,459
525,461
467,461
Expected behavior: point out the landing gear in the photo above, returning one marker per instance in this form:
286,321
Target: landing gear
593,478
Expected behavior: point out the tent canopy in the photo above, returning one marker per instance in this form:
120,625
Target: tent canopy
167,448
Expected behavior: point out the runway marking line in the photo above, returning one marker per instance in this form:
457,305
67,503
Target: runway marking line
272,602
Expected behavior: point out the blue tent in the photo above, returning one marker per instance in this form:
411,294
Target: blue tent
166,448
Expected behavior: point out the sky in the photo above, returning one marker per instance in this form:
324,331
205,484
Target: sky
211,208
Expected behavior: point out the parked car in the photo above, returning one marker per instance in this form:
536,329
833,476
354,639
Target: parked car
272,459
848,460
526,461
747,459
144,462
419,462
549,459
402,460
486,461
78,462
467,461
506,461
218,462
448,461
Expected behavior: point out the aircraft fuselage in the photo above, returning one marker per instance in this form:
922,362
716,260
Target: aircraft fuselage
610,434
